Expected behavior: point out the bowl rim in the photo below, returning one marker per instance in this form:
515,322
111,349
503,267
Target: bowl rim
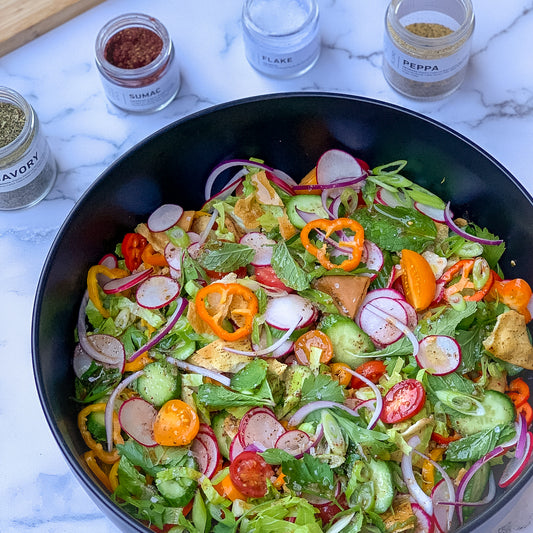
94,491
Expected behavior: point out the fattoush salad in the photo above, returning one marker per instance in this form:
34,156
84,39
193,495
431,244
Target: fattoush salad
337,354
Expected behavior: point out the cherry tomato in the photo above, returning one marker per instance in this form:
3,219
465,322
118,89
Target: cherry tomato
515,293
249,473
132,248
403,401
313,338
518,391
329,510
176,424
340,374
267,276
418,280
371,370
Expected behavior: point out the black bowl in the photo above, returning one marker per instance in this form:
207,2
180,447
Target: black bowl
288,131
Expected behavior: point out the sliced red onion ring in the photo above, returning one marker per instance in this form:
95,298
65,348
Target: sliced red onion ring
116,285
521,431
164,217
284,177
516,465
348,182
324,196
448,219
449,486
205,232
221,167
157,291
276,179
413,487
136,417
300,415
491,493
496,452
180,307
217,376
110,406
377,393
269,349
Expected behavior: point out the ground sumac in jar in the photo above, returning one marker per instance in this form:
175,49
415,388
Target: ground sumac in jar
133,47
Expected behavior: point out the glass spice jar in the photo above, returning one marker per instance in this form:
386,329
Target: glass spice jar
27,168
281,37
427,46
136,60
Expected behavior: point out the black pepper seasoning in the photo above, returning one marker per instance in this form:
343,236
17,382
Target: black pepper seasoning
27,168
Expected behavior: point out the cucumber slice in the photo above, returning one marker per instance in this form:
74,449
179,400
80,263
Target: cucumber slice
499,411
223,439
347,338
160,383
383,486
310,203
96,426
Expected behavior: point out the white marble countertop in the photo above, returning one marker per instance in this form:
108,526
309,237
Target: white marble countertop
56,73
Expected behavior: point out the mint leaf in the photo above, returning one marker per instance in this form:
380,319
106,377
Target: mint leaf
321,387
219,398
287,269
249,378
225,256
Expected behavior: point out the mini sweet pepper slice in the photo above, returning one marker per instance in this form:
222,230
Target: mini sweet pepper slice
325,228
217,302
93,284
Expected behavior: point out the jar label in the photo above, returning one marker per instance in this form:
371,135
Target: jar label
425,70
144,98
284,63
28,167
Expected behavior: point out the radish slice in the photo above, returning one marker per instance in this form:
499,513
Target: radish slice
373,258
81,361
381,330
434,213
516,465
262,246
164,217
207,438
442,514
439,354
295,442
385,197
157,291
136,417
413,487
174,256
235,447
199,451
336,165
121,284
424,522
412,316
110,348
280,312
262,428
109,261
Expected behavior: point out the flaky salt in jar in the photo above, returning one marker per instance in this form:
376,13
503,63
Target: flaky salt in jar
427,46
27,167
281,37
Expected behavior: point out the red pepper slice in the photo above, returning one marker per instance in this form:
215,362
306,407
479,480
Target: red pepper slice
464,268
132,248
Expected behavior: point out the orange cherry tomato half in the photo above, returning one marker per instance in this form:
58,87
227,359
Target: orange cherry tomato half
249,473
403,401
418,280
176,424
340,374
372,370
313,338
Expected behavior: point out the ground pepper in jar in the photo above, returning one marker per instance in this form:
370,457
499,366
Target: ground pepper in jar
427,46
133,47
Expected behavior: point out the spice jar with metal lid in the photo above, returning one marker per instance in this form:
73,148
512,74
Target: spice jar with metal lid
137,64
27,167
427,46
281,37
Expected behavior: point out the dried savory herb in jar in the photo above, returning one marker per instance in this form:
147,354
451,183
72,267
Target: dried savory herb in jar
427,46
27,168
136,60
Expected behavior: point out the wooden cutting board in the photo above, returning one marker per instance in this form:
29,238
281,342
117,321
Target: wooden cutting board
23,20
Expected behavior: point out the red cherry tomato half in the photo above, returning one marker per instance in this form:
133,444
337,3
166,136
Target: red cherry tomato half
403,401
372,370
214,275
328,511
267,276
132,248
249,473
